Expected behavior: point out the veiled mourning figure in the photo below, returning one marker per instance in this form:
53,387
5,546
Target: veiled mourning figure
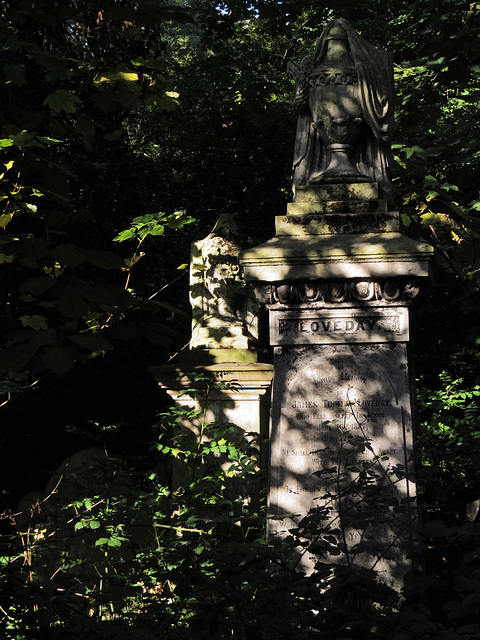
344,92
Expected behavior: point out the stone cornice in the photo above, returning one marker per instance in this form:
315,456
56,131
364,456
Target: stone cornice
325,293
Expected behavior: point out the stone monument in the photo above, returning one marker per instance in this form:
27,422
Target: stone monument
338,279
344,93
222,362
224,308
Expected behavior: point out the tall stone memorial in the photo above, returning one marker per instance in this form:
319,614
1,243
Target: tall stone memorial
338,279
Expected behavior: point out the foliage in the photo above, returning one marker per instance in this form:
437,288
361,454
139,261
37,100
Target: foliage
71,77
142,559
111,553
114,118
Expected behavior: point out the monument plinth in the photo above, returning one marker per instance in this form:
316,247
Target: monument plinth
338,278
220,373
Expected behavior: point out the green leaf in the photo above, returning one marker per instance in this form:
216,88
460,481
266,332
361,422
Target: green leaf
35,322
15,358
57,359
37,286
68,255
158,334
103,259
114,542
123,331
93,342
71,303
101,541
5,219
44,337
157,230
15,73
128,234
418,151
61,100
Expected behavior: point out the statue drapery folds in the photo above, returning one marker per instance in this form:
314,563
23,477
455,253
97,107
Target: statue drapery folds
344,92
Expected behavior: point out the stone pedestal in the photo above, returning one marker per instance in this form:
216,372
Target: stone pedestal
227,383
338,279
233,392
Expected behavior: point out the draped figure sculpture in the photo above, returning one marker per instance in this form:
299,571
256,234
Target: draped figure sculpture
344,93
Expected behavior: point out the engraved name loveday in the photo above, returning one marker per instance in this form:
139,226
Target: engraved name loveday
349,325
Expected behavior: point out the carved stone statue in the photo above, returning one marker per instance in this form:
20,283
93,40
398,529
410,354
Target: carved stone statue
344,92
224,307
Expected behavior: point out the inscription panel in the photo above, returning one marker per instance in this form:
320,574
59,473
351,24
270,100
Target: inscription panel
348,325
344,411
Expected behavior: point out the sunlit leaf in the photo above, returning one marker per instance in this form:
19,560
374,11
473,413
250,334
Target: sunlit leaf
5,219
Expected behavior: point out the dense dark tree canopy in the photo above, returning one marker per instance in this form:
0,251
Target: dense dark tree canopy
126,128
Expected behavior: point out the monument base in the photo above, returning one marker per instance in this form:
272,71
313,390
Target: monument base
341,442
230,386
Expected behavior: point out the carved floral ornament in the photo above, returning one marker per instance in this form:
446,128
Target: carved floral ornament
323,291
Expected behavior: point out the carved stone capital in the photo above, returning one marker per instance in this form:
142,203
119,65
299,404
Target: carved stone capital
321,293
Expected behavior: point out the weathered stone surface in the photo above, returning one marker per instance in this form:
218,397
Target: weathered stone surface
204,357
354,207
344,93
325,395
343,191
328,294
379,255
224,308
335,223
343,325
337,279
232,392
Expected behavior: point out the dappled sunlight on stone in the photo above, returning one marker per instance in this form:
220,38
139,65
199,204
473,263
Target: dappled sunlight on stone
338,279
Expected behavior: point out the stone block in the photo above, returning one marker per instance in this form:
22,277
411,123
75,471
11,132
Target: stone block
341,438
343,191
337,206
381,255
236,391
338,326
335,224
